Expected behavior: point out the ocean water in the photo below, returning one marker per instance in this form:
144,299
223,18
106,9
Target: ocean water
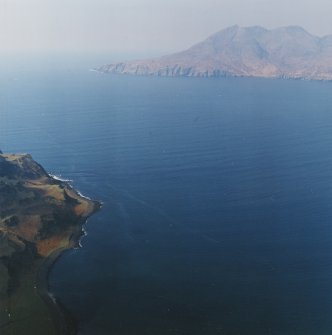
217,215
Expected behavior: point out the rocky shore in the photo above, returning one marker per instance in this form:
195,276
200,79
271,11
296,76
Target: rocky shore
40,217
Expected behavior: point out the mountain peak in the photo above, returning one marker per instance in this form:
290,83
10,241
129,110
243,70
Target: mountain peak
293,30
255,29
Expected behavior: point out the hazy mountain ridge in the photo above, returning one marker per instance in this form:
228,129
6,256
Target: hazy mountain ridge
287,52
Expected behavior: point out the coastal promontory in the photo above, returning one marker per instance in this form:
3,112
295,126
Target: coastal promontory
40,217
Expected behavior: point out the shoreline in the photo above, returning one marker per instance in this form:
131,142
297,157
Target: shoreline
42,286
63,322
41,217
156,75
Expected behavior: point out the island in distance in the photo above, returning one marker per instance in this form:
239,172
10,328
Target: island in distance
40,217
287,52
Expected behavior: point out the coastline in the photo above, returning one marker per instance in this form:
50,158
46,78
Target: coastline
204,76
42,287
62,320
40,218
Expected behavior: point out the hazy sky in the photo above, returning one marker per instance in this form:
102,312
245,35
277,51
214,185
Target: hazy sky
144,25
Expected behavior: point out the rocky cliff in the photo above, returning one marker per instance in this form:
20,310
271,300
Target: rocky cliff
40,217
287,52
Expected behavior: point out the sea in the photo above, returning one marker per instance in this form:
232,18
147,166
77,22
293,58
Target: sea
217,196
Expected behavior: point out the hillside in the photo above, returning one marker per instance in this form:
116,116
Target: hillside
40,217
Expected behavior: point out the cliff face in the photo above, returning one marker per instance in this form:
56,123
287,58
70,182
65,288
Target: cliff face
288,52
39,216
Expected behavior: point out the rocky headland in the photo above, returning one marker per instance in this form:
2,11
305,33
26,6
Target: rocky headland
40,217
287,52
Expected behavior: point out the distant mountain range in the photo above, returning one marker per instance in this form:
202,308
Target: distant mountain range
287,52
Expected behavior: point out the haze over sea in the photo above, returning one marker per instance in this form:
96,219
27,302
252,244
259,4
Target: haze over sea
217,194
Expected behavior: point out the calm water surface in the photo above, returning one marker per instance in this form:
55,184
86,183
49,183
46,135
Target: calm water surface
217,194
